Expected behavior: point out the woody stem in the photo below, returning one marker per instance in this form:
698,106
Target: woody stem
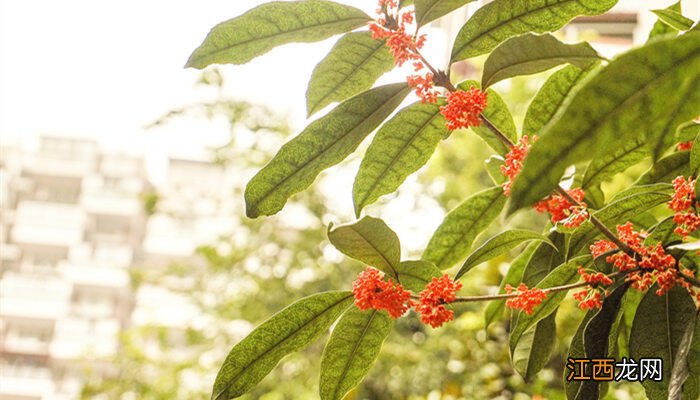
468,299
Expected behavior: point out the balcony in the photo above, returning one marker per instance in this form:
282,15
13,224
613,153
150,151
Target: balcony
77,338
34,297
25,381
43,165
96,276
111,204
49,224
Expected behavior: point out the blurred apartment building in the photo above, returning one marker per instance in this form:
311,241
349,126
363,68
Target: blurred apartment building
74,221
72,224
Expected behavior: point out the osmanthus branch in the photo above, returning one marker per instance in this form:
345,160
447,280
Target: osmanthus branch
441,79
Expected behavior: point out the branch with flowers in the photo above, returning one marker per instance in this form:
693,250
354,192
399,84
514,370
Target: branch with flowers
592,119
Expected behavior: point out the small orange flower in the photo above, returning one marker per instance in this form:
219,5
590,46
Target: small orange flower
526,299
463,108
562,211
432,300
371,291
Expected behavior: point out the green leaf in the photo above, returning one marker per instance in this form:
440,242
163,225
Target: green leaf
674,19
529,54
371,241
660,28
597,337
324,143
690,246
628,97
285,332
663,232
400,147
695,157
576,350
606,166
658,328
493,168
499,244
617,212
352,350
561,275
453,238
501,19
688,353
430,10
545,259
512,277
667,168
550,98
535,347
267,26
415,274
352,66
497,112
687,131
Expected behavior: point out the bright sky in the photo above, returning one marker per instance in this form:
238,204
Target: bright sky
105,69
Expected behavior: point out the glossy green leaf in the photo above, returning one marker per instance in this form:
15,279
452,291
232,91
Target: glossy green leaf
430,10
545,259
324,143
497,112
499,244
501,19
493,168
535,347
514,276
529,54
617,212
352,66
667,168
371,241
453,238
352,350
663,232
576,350
687,131
674,19
415,274
660,28
269,25
285,332
695,157
628,97
658,328
605,166
687,358
561,275
550,98
400,147
597,337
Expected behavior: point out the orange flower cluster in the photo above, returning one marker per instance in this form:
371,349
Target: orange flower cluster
684,203
562,211
684,146
432,300
514,161
655,264
592,296
394,26
525,299
372,291
589,299
463,108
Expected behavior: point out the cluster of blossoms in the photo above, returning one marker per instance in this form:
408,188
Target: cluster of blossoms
393,26
372,291
432,300
572,215
463,106
684,146
514,161
525,299
650,263
684,204
592,296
